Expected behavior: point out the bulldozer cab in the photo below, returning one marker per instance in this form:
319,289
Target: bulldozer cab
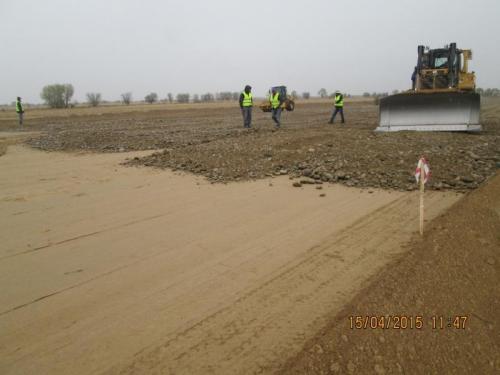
444,68
437,59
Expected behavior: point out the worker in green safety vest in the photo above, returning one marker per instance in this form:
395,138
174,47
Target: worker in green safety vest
338,107
246,104
19,110
276,100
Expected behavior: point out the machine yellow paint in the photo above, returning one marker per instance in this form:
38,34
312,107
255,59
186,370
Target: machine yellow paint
443,98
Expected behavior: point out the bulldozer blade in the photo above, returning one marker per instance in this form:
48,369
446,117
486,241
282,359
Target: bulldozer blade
442,111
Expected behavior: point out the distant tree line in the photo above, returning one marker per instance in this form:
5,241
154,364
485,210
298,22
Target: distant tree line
378,94
484,92
183,98
151,98
488,92
322,93
227,95
57,95
94,98
127,98
208,97
60,95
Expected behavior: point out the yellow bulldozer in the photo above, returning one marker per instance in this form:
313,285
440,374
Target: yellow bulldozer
443,97
288,103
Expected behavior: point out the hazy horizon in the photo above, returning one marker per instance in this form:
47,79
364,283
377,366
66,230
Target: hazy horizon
172,46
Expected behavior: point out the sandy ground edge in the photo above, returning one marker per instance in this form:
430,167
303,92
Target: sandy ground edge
452,271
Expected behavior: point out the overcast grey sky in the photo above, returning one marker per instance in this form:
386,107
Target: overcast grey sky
115,46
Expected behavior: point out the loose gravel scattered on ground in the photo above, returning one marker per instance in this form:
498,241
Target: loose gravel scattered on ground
211,142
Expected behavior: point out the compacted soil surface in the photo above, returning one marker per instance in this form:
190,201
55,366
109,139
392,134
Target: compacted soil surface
449,279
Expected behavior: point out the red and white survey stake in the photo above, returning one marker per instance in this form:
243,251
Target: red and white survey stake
423,170
422,175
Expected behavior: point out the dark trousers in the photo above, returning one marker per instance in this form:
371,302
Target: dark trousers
247,116
277,116
20,114
335,111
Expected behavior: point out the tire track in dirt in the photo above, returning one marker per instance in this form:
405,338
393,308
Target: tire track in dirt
452,271
234,279
268,323
124,225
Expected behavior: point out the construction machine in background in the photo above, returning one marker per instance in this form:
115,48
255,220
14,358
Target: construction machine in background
287,104
443,97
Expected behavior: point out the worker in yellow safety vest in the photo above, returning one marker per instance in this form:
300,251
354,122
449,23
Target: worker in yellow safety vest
19,110
338,107
246,104
276,100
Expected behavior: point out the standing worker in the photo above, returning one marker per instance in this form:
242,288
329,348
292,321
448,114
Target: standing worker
246,104
19,110
339,107
276,101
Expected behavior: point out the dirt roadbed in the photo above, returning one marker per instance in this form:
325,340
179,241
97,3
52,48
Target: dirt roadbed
453,272
112,269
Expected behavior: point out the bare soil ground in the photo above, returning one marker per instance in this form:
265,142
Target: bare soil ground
453,271
12,138
209,140
111,269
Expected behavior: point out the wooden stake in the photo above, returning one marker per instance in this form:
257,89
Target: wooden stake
422,186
